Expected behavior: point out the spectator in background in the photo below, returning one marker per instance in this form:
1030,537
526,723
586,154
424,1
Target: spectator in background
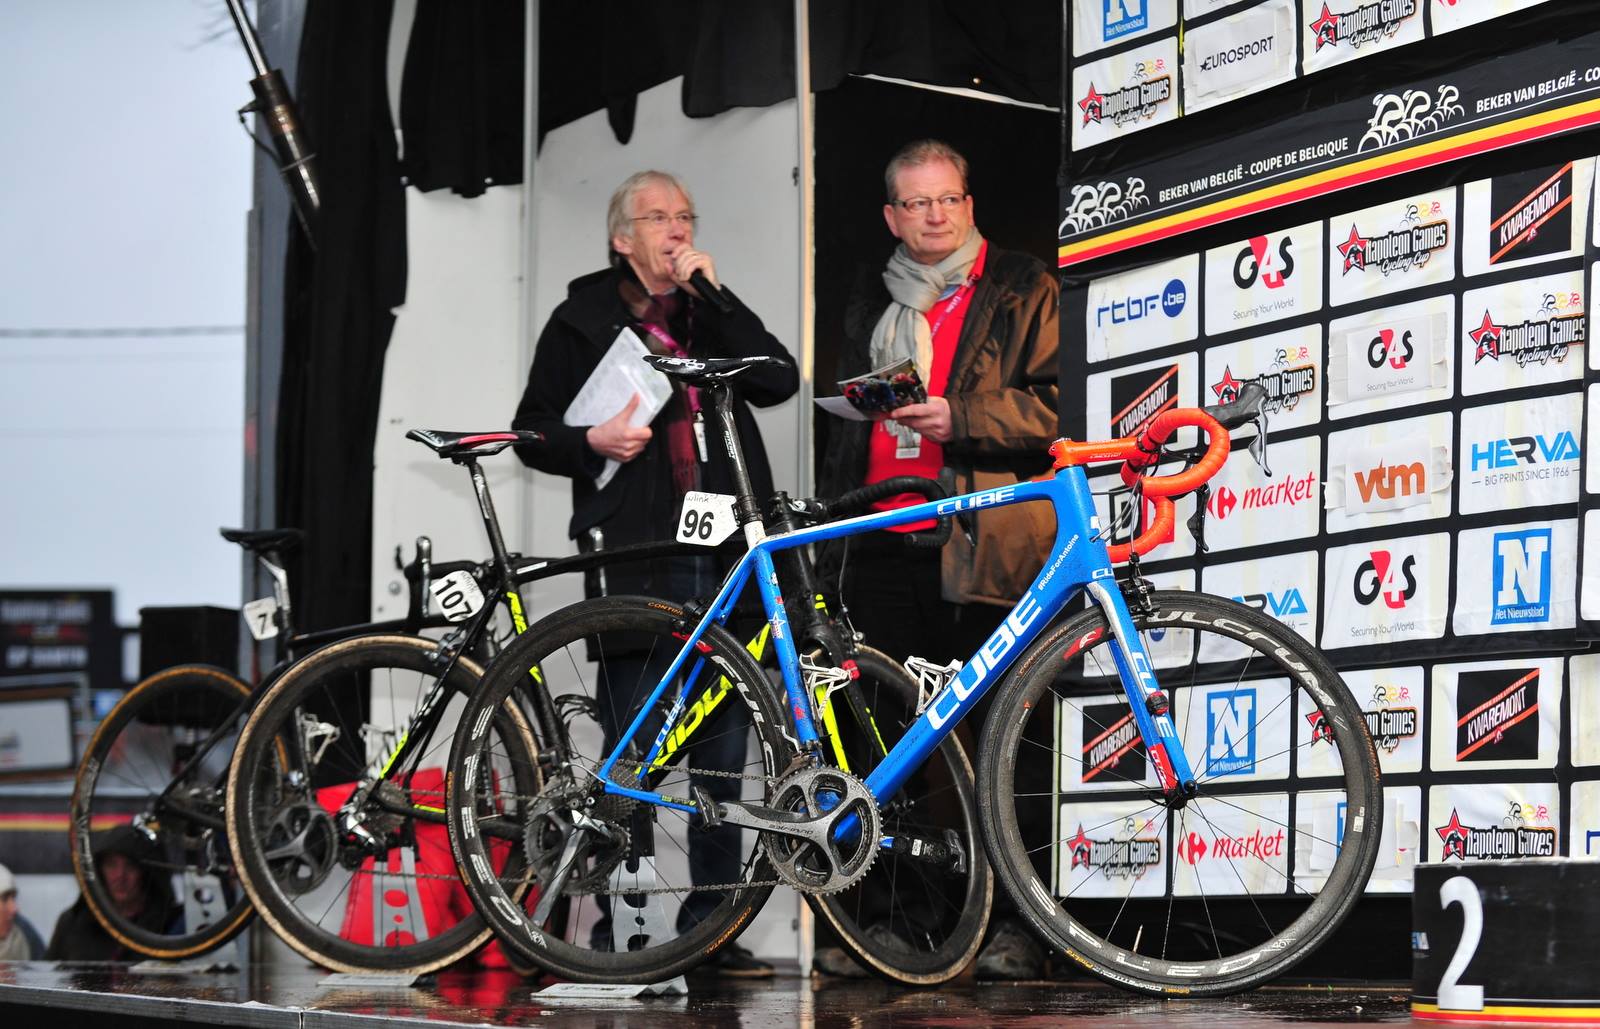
121,863
19,941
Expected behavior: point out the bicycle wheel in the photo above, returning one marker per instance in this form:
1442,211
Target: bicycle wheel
1214,896
343,850
122,804
919,914
629,891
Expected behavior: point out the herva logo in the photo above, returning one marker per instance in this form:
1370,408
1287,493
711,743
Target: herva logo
1385,349
1524,450
1521,577
1169,302
1231,732
1258,261
1388,481
1381,575
1123,17
1284,602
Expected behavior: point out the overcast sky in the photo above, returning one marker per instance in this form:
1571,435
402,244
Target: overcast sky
123,199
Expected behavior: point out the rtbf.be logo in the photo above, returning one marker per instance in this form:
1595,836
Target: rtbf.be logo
1169,301
1521,577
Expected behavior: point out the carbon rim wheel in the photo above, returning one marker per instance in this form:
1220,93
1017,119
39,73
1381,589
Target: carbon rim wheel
629,909
193,899
359,879
1228,890
912,919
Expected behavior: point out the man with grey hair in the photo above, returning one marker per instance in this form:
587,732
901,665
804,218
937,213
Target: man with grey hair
650,232
979,323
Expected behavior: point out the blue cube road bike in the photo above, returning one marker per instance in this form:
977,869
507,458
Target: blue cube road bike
1134,768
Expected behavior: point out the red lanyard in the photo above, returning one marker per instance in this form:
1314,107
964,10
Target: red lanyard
956,300
676,350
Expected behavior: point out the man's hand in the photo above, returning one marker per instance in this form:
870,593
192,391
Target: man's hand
686,262
615,438
931,419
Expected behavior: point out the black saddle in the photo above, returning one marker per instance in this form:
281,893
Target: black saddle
259,541
472,444
704,371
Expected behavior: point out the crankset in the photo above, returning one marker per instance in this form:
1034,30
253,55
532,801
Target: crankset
810,842
300,846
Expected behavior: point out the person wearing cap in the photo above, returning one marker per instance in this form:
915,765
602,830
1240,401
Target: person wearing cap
121,858
19,940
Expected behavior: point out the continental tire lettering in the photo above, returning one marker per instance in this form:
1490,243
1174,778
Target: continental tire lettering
469,824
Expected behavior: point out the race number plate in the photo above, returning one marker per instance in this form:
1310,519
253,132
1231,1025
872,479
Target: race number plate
707,519
261,618
457,596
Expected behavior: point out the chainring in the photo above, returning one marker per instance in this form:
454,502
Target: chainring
825,796
301,846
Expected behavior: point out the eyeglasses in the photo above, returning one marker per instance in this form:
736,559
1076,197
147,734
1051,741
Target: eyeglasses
917,205
660,219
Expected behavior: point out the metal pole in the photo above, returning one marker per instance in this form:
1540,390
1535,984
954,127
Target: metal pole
274,103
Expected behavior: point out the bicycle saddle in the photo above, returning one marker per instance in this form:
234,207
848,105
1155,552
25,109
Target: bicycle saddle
707,370
472,444
257,540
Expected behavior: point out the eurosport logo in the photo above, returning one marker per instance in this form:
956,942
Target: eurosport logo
1237,54
1113,750
1119,857
1497,714
1548,337
1462,841
1357,26
1381,575
1520,577
1244,53
1231,732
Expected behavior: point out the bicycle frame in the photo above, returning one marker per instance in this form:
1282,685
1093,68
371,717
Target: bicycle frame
1078,561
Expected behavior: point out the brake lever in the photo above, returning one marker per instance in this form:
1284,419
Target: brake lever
1258,446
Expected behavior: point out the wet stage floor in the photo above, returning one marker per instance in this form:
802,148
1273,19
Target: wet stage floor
118,997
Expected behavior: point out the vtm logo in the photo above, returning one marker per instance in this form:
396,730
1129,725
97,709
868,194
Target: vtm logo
1379,575
1257,260
1385,349
1388,481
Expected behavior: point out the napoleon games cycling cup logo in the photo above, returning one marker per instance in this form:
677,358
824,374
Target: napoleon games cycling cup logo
1465,842
1231,732
1123,856
1125,16
1258,261
1497,714
1284,382
1408,247
1381,576
1520,570
1358,26
1151,87
1549,336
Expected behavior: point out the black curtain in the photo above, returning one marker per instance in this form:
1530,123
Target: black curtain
338,299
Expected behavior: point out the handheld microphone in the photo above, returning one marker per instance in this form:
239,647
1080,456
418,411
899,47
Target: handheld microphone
712,294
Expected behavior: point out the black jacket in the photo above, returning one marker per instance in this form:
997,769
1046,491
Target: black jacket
639,504
1003,401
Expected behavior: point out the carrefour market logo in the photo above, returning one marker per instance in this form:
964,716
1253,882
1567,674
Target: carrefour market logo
1142,99
1358,26
1557,327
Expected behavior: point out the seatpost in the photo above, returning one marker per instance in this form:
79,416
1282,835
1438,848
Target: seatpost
491,524
745,507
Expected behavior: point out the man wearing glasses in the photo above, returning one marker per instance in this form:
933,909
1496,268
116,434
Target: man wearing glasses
650,227
980,324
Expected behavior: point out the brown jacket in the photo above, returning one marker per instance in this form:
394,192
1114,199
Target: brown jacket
1003,401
